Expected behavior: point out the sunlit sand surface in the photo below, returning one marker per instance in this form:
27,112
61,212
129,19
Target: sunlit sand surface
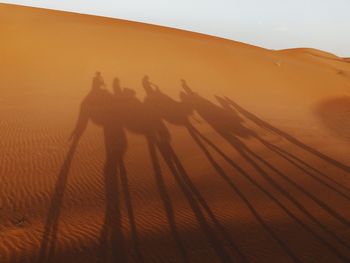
235,154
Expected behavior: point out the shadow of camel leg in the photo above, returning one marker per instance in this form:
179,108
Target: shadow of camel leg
192,193
287,136
125,186
249,205
166,199
48,243
293,160
323,205
294,201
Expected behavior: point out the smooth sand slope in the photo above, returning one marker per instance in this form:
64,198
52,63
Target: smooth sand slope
245,160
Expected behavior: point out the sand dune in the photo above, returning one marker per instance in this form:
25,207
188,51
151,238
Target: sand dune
246,159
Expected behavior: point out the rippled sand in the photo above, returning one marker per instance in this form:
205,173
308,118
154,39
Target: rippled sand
252,166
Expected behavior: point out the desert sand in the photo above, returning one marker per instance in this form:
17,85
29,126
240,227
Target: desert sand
227,152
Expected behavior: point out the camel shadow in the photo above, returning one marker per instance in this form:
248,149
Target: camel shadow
102,108
121,111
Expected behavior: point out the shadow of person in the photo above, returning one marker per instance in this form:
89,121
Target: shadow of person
229,126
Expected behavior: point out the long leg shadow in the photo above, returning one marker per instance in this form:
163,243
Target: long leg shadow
317,171
196,201
102,108
112,240
217,118
165,198
138,119
229,127
205,205
177,113
287,136
49,239
297,162
274,199
144,118
132,221
291,158
244,151
194,134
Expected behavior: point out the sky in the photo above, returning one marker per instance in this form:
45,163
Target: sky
273,24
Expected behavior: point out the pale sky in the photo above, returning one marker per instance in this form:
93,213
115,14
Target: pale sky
274,24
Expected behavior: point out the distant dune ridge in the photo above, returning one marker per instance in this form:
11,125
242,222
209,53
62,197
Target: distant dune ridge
128,142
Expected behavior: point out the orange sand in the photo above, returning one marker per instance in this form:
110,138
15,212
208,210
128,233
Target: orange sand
259,176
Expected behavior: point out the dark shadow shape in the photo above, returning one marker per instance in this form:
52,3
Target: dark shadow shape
220,120
147,120
105,109
165,106
102,108
294,160
138,119
123,109
195,200
49,239
287,136
280,204
243,149
178,113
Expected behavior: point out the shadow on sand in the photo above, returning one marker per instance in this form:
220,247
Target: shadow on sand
122,111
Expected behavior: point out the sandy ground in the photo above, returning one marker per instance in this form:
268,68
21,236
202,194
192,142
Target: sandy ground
246,160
